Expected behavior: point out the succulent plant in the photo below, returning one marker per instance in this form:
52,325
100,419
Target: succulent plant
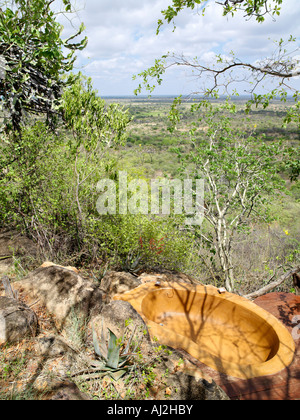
132,263
113,357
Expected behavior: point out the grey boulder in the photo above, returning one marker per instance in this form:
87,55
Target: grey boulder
17,321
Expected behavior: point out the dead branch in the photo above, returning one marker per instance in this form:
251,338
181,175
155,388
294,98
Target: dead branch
9,292
279,66
274,284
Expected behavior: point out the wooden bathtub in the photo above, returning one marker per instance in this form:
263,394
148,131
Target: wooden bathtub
224,331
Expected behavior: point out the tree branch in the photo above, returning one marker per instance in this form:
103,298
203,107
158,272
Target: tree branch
273,285
9,292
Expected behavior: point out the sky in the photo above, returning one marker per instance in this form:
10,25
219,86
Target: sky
123,41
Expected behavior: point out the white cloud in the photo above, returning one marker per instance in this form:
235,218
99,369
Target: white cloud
123,41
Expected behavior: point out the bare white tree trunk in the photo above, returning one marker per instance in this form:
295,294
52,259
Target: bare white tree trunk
223,250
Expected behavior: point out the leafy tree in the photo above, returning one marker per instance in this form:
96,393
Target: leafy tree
251,8
280,66
240,170
96,128
48,182
33,59
35,191
224,74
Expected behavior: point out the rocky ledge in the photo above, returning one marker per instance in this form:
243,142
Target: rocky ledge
59,319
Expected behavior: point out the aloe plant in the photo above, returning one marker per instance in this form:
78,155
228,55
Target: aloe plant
113,358
132,264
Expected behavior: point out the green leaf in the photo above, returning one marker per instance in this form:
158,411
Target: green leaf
118,375
96,342
113,355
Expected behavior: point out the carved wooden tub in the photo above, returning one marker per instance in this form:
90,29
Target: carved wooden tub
224,331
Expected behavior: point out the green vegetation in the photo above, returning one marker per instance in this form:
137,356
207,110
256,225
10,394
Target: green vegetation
125,370
39,195
49,172
35,59
59,138
256,8
269,233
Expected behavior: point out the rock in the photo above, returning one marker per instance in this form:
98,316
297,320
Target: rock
114,282
192,388
68,391
117,283
13,243
166,276
53,346
17,321
63,292
114,316
55,359
58,389
179,379
284,306
6,264
51,264
122,319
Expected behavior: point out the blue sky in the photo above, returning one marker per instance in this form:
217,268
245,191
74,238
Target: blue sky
123,42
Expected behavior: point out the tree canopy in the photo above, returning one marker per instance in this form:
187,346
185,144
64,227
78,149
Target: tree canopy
224,74
241,169
33,59
250,8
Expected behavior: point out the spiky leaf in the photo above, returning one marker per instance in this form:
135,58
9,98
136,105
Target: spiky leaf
113,354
